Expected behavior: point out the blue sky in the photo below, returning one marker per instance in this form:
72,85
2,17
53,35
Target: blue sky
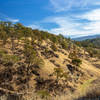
72,18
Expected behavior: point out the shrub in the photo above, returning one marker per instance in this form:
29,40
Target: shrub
72,55
90,51
59,72
54,47
54,39
76,62
43,94
38,62
46,50
64,44
10,59
30,53
32,56
2,52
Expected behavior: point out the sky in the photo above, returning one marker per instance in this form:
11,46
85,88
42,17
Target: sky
71,18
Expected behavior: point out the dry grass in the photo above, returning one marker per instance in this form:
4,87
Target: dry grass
82,90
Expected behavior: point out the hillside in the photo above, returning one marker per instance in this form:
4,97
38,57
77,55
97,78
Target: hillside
92,46
95,43
37,65
86,37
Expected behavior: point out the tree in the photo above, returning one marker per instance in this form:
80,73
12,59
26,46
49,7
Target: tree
33,38
26,32
3,36
19,31
12,34
3,33
64,44
38,35
54,39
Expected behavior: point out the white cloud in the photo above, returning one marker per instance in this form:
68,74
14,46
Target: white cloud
6,18
69,26
97,3
12,20
93,27
64,5
66,26
33,26
93,15
37,26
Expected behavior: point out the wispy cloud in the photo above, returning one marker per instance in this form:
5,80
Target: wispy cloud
72,19
37,26
66,5
6,18
73,25
66,26
93,15
78,25
33,26
12,20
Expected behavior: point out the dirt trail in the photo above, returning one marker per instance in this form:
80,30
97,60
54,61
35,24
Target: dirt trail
91,83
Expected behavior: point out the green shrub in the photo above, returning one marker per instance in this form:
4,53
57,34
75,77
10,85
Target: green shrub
43,94
59,72
32,56
53,38
10,58
72,55
76,62
29,53
54,47
64,44
38,62
46,50
2,52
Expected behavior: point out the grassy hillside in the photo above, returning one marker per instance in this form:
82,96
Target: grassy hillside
38,65
95,43
92,46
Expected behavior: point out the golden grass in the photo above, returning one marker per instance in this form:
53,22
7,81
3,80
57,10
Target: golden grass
83,88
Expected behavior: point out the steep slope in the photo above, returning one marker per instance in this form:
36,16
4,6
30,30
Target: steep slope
90,68
38,65
52,59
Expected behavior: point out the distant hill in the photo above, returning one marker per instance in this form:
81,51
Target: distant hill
86,37
92,46
95,43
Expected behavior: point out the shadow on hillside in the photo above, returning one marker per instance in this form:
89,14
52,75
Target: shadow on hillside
93,91
97,65
87,98
93,94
